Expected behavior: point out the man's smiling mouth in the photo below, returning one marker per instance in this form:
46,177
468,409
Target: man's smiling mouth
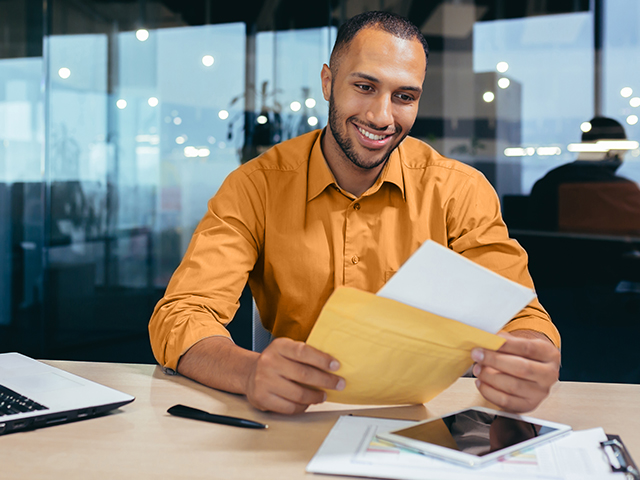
371,135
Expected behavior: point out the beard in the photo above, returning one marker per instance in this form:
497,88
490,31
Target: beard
336,121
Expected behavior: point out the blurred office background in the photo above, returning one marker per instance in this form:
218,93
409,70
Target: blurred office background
119,119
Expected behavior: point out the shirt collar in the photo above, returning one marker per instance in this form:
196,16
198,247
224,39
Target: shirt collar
320,176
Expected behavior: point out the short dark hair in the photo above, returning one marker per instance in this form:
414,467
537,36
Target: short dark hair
389,22
603,128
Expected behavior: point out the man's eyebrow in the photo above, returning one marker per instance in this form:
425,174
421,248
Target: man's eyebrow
373,79
366,76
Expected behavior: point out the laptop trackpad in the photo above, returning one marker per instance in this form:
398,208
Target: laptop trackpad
43,382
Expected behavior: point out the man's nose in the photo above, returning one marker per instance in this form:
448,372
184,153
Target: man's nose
380,111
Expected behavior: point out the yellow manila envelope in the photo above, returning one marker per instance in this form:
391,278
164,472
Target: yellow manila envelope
391,353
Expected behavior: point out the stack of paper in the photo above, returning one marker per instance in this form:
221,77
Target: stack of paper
351,448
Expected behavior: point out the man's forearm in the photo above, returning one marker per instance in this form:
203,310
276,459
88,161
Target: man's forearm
219,363
286,377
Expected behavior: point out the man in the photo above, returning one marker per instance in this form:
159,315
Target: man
345,206
587,195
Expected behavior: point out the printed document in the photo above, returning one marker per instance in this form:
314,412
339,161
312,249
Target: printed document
351,448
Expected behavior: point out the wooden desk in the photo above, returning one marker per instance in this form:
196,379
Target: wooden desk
141,440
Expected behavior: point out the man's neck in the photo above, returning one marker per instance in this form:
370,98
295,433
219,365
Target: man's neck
350,177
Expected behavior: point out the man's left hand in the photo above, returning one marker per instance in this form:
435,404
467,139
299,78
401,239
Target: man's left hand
520,374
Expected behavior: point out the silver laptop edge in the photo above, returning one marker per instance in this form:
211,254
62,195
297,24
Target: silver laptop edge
67,397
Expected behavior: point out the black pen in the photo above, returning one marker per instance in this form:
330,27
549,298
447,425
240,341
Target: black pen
195,414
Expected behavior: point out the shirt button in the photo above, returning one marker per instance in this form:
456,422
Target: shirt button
355,259
356,206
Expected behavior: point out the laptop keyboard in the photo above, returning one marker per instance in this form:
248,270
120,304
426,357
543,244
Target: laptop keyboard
12,403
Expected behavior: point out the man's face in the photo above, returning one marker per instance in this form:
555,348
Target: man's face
373,96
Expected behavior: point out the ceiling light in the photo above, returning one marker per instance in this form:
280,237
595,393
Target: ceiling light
618,144
548,151
626,92
603,146
488,97
515,152
190,152
142,34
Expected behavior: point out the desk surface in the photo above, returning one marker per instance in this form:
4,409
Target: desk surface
141,440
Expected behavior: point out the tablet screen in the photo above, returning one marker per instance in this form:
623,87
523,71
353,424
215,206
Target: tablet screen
475,432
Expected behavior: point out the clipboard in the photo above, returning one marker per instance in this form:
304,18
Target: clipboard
619,457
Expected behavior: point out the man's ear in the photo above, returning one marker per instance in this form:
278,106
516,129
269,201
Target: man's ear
326,77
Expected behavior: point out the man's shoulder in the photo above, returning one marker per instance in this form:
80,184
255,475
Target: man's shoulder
420,156
287,156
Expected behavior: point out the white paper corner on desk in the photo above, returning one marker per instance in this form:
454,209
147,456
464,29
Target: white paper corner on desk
443,282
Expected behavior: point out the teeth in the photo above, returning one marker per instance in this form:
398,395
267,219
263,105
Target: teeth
371,135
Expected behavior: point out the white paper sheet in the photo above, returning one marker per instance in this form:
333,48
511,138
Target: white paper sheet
352,449
440,281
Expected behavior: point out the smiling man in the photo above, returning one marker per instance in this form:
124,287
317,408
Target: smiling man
346,205
373,88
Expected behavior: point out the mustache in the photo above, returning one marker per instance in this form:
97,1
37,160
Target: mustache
387,130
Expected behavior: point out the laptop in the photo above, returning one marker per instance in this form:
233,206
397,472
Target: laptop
34,395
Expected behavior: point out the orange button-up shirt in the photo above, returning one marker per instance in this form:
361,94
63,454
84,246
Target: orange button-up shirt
283,224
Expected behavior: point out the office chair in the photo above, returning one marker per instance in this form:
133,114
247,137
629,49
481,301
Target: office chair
260,336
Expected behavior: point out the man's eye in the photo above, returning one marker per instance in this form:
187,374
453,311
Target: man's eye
405,97
365,88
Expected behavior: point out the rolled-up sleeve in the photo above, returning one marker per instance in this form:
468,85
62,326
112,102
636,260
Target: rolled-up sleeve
477,231
203,294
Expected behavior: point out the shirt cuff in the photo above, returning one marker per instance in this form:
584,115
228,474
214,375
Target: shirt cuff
537,325
186,334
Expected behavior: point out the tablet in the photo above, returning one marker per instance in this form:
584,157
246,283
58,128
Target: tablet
475,436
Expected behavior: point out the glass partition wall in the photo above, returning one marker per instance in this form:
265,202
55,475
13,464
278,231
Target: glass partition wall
119,120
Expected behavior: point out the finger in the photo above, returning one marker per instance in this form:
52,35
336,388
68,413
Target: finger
512,364
505,401
277,359
294,392
277,404
273,392
506,383
311,376
304,364
532,348
302,353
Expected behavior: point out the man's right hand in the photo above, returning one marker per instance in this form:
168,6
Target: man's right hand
288,377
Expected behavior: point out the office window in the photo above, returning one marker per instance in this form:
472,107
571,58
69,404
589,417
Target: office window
119,120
